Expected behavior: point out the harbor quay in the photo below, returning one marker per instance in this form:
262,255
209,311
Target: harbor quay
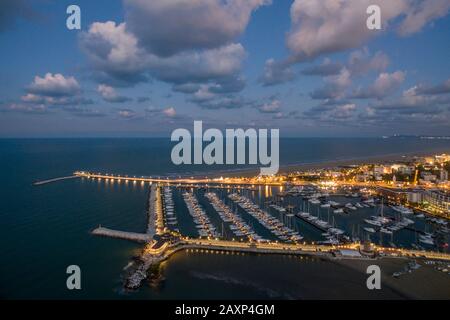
163,238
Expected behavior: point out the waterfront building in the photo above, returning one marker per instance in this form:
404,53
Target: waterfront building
443,175
393,194
438,200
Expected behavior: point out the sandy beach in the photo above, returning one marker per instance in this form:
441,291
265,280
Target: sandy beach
423,284
392,157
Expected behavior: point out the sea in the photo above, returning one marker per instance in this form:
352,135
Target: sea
44,229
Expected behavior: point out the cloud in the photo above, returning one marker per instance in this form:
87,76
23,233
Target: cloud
25,108
418,16
228,85
227,102
55,101
127,114
442,88
202,94
273,106
117,58
201,66
54,85
413,108
188,87
109,94
166,28
330,26
385,84
276,73
335,86
361,62
327,68
421,106
114,53
54,90
85,112
169,112
332,114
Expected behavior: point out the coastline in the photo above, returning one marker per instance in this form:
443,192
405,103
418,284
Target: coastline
421,284
327,164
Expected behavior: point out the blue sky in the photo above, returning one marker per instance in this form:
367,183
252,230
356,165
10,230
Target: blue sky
144,68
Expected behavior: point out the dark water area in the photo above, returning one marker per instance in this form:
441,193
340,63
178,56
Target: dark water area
45,229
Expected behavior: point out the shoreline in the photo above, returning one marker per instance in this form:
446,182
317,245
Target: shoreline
325,164
432,284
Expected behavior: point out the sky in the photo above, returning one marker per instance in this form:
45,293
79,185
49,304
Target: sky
141,68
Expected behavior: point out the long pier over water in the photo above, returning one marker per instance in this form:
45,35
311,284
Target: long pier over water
165,180
42,182
133,236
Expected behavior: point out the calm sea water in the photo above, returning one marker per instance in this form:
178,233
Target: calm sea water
45,229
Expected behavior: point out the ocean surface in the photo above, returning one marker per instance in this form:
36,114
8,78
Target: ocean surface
45,229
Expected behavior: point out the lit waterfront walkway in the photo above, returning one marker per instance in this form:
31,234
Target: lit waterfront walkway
269,248
301,248
151,211
166,180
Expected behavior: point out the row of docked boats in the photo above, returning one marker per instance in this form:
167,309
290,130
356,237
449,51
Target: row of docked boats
237,225
271,223
385,224
401,209
342,208
202,223
169,211
332,234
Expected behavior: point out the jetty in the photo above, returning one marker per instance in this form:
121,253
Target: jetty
132,236
42,182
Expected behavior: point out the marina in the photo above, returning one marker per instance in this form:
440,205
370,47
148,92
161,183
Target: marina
203,224
237,225
332,216
274,225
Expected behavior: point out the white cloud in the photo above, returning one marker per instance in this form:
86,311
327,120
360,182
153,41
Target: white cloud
170,112
114,51
426,10
54,85
335,86
109,94
127,114
273,106
361,62
166,28
328,26
385,84
276,73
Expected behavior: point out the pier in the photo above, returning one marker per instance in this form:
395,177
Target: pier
171,181
42,182
157,248
132,236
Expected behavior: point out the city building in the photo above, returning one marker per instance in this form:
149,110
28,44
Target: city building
438,200
443,175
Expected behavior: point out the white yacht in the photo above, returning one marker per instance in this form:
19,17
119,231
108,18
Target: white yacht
371,230
402,209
